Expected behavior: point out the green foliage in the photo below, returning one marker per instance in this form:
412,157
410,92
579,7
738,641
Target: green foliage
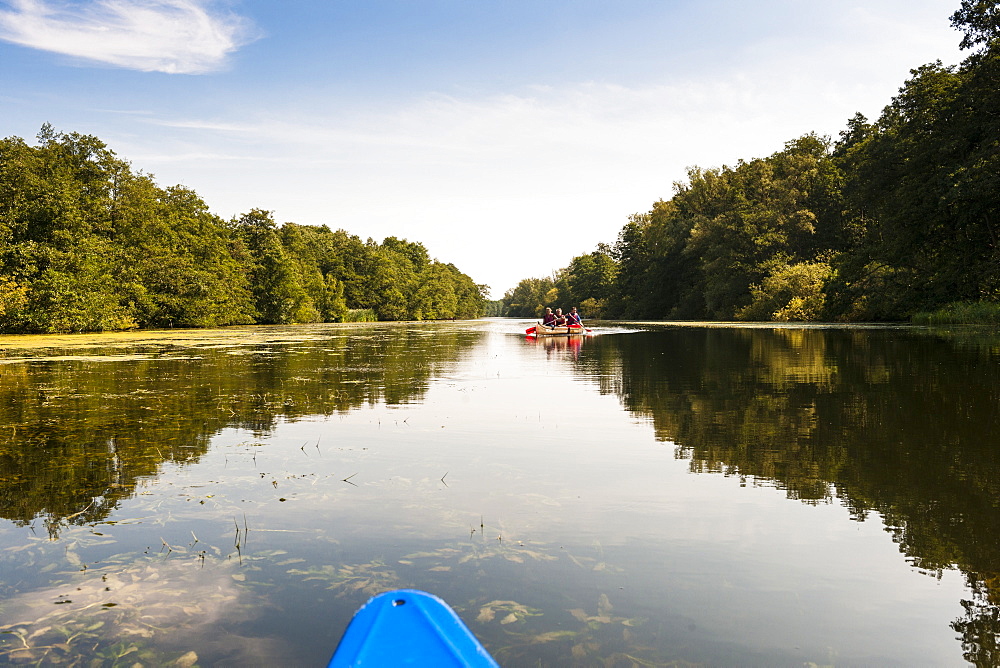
762,215
77,292
632,256
922,185
180,270
360,315
494,308
86,244
979,20
872,292
274,273
13,299
790,293
530,297
699,254
961,313
588,282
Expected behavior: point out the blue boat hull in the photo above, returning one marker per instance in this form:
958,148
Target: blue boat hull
408,627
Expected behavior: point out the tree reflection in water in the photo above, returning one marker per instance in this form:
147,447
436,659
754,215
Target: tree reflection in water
81,426
896,423
904,424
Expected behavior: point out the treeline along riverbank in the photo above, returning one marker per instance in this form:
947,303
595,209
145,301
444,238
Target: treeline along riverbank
896,217
88,244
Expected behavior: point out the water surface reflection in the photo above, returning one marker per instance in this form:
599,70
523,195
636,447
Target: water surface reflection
211,497
86,419
901,423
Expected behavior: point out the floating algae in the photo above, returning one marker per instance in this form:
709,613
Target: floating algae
153,613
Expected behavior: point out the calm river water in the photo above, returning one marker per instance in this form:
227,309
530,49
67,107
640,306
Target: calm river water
651,495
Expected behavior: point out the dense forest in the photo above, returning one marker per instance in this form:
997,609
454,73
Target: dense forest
89,244
896,217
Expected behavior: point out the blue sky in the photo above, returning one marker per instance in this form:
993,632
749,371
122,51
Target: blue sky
506,135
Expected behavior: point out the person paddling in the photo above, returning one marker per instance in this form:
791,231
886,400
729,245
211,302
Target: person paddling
560,318
549,319
574,319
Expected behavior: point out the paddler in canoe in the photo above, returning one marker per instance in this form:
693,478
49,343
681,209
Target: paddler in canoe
558,324
573,318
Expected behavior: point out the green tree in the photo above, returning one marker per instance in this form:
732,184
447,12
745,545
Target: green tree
979,20
633,258
436,298
275,278
922,188
530,297
589,279
792,292
59,255
180,270
754,219
86,243
77,291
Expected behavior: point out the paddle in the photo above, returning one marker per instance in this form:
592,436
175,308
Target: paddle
530,330
577,322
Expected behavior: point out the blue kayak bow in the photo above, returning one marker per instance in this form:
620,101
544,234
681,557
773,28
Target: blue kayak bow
408,627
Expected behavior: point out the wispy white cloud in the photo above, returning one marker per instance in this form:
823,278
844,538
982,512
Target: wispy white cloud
173,36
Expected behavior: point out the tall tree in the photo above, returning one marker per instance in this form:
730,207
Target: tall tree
275,276
979,20
589,281
924,183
